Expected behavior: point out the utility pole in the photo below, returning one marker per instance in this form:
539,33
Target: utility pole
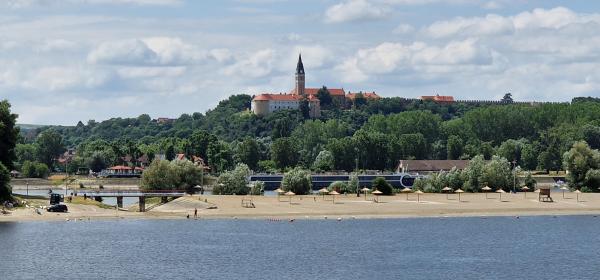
514,162
356,171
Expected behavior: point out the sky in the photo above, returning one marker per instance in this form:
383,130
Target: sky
71,60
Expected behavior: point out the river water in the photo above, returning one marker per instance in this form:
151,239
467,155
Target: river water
423,248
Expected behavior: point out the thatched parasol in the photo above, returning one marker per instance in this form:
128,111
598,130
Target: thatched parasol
419,193
447,190
407,191
486,189
365,190
564,188
334,193
577,192
525,189
459,191
279,191
290,194
500,191
376,193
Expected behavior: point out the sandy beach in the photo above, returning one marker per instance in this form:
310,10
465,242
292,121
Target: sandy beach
319,207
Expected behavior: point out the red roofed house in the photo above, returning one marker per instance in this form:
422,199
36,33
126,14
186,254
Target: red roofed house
438,98
367,95
268,103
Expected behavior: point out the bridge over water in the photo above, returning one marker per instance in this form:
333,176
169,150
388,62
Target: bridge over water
140,194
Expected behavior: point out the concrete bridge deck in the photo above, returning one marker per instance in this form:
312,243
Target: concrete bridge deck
140,194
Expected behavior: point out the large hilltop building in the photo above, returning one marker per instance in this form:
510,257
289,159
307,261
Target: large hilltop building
267,103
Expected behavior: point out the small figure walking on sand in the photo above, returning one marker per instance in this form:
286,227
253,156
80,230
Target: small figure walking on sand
195,213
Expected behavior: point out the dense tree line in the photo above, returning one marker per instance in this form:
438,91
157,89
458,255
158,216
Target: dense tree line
370,134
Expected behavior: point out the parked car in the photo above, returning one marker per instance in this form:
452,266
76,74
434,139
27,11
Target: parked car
57,208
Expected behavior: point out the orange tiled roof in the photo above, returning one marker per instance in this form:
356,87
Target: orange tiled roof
438,98
276,97
332,91
368,95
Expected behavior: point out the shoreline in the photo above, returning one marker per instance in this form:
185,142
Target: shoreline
318,208
285,218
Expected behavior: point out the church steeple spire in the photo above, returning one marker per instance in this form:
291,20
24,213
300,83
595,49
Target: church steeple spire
299,90
300,66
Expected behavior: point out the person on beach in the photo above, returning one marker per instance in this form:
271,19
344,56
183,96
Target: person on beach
195,213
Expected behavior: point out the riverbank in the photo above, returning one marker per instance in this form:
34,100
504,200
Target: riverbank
319,207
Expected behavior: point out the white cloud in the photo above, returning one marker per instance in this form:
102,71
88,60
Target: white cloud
355,10
488,25
259,64
59,79
129,52
403,29
492,5
149,51
57,45
19,4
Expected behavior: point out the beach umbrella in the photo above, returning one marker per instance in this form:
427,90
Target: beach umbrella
500,191
376,193
365,190
447,190
324,191
407,191
419,193
279,191
290,194
486,189
459,191
563,188
525,189
334,193
577,192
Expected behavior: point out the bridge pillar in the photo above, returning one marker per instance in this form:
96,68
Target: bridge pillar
142,203
120,201
164,199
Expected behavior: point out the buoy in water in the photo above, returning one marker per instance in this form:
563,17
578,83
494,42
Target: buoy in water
339,219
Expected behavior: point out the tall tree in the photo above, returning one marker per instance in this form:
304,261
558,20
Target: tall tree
50,146
8,135
507,98
578,161
248,152
284,153
324,97
454,147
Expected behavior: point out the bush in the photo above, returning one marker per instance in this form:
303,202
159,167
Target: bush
5,190
174,175
341,187
383,186
323,162
298,181
81,186
267,166
258,188
35,170
233,182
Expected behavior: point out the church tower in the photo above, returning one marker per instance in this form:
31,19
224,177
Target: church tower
300,86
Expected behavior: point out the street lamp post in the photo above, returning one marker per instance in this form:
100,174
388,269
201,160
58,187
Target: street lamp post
356,170
514,162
